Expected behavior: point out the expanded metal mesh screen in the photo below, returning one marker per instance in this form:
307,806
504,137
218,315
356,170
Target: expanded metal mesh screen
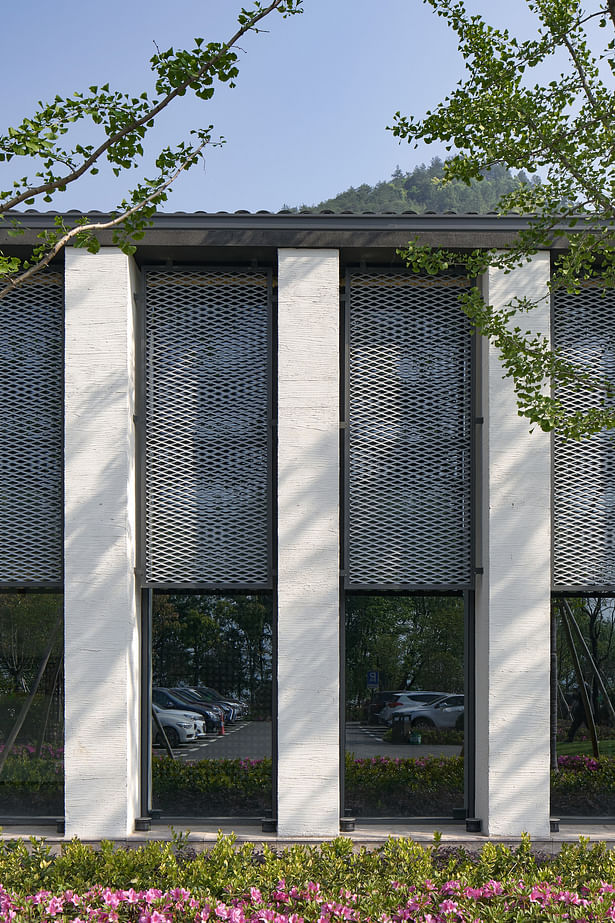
408,452
207,453
31,434
584,472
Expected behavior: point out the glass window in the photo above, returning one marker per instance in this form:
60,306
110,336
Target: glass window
31,704
212,704
404,727
583,713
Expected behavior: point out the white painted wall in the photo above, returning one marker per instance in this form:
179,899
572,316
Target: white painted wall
513,595
308,543
101,624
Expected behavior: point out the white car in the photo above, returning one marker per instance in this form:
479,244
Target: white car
445,713
407,699
180,727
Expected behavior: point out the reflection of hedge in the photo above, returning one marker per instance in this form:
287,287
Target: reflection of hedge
382,786
11,705
374,787
583,786
211,787
32,786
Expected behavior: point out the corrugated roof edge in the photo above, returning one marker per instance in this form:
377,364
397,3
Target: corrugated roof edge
490,221
263,211
346,230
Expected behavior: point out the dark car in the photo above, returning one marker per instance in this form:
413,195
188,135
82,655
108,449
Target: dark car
196,695
378,701
241,709
167,698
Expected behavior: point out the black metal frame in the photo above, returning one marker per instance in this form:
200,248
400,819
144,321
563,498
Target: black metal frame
467,593
37,586
148,588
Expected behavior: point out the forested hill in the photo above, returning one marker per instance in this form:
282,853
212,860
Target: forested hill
419,191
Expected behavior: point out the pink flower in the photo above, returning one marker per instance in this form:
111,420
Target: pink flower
55,905
235,915
450,887
152,894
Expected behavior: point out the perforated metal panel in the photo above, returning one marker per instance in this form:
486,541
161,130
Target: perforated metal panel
408,454
584,472
31,432
207,442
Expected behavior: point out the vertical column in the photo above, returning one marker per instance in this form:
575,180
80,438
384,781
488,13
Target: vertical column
101,624
513,594
308,543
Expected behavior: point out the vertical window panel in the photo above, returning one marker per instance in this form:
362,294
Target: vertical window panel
408,495
584,471
207,444
31,435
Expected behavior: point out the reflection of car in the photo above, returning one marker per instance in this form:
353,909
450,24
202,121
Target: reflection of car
198,695
407,699
444,713
165,698
241,709
378,702
179,726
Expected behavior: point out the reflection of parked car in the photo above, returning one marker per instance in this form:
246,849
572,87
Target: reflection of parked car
378,701
165,698
241,709
444,713
179,726
196,695
407,699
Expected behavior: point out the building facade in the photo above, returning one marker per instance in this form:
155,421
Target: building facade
272,404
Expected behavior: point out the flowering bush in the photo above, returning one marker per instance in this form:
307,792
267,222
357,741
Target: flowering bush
400,881
579,763
452,900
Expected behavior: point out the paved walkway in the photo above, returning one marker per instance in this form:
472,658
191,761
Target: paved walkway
369,835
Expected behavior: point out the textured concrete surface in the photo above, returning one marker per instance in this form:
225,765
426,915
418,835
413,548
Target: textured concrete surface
514,592
101,630
308,542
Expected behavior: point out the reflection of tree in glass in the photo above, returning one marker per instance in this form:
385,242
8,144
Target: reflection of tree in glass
414,641
27,624
220,641
596,620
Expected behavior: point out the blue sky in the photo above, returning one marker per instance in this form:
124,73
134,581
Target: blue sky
314,96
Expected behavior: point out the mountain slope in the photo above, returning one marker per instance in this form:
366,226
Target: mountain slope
420,191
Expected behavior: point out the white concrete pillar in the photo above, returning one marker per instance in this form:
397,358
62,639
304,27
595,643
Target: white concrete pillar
101,624
513,594
308,543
